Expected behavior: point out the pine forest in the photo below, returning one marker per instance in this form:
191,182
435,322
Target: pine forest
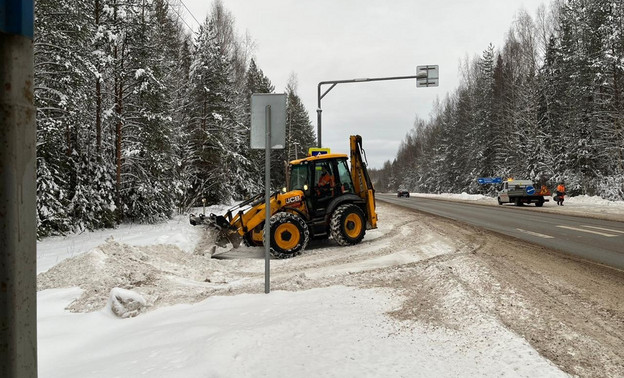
138,118
547,106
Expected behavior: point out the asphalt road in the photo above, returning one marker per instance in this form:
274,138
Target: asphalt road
598,240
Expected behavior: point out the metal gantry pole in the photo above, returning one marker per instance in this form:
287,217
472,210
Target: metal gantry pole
18,229
333,83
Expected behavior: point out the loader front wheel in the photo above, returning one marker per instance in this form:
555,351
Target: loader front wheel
347,225
254,237
289,235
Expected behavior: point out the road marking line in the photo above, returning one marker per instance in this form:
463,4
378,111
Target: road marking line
535,234
605,229
590,231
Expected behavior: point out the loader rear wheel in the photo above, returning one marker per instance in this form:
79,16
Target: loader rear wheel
289,235
347,225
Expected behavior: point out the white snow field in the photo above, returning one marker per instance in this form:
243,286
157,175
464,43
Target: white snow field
210,318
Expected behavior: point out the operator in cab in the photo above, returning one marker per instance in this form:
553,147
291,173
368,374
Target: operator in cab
326,182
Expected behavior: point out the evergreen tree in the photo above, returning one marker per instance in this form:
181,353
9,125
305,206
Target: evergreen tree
547,118
215,132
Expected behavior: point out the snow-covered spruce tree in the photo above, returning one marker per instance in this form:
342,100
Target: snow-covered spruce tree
148,150
603,35
530,138
571,95
553,105
172,68
212,126
439,166
244,179
484,142
125,28
183,143
64,70
300,135
52,218
462,137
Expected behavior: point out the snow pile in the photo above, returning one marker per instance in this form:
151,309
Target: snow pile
454,196
125,303
175,232
161,274
594,201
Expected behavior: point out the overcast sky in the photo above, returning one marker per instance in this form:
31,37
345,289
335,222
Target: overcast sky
322,40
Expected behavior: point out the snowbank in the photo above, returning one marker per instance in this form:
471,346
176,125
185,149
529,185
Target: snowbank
589,206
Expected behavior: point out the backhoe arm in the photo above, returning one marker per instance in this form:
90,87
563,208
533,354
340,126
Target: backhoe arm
361,180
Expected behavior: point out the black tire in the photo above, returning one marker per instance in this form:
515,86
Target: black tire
347,225
539,203
499,201
518,201
289,235
407,195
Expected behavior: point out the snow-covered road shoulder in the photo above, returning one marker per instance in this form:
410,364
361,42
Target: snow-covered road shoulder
585,206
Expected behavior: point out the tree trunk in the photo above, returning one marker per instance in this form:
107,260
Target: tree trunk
98,92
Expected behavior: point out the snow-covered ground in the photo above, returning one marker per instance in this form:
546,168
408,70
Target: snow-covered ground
202,325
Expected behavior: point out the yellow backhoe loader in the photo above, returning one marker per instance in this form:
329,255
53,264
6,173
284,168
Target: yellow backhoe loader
324,197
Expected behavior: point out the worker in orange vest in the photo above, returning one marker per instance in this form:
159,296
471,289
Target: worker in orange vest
560,194
326,183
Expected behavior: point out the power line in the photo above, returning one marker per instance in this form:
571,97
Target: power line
198,23
180,18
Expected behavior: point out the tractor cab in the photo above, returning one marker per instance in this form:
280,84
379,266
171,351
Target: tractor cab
322,179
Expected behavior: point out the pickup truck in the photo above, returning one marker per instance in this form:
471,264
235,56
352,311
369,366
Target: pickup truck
520,192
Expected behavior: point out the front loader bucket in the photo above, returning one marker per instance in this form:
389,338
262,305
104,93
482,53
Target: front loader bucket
196,219
227,236
225,232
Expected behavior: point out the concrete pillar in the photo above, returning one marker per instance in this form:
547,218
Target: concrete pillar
18,305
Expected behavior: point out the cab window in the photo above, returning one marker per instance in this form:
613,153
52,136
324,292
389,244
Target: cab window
345,177
298,177
322,166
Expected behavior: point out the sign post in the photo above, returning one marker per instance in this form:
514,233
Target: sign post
268,130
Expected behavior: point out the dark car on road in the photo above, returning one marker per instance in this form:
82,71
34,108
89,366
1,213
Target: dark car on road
402,193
